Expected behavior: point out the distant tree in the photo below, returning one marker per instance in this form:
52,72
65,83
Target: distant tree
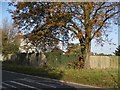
117,51
10,45
84,21
109,54
92,53
101,54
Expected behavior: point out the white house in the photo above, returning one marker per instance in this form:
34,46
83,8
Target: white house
25,45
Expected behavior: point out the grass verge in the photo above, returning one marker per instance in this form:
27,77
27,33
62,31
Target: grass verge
106,78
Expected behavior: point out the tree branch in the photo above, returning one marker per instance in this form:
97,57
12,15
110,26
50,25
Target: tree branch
68,28
103,23
98,10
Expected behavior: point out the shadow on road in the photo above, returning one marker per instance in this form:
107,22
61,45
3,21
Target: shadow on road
38,71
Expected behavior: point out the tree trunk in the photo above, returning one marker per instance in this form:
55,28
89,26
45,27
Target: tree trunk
87,56
85,51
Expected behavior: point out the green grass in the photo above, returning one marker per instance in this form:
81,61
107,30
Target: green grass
95,77
107,78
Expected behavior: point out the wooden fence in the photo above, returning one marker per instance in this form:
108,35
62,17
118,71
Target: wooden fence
104,61
101,62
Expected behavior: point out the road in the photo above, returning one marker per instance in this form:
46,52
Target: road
11,80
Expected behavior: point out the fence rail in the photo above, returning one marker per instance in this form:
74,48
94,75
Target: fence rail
104,61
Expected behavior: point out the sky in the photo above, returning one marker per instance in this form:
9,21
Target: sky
106,49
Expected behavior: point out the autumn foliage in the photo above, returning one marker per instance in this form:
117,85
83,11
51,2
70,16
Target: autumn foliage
63,21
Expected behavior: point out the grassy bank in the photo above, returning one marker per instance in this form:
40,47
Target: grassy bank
95,77
103,78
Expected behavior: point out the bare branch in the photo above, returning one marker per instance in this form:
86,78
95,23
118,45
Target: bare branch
104,22
98,10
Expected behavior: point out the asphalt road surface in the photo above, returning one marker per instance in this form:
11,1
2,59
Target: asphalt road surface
12,80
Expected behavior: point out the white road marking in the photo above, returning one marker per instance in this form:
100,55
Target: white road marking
9,85
28,80
23,84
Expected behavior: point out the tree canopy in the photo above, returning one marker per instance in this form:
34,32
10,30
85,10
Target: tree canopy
10,44
73,49
117,51
64,21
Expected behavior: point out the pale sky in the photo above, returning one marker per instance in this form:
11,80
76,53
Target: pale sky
107,49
